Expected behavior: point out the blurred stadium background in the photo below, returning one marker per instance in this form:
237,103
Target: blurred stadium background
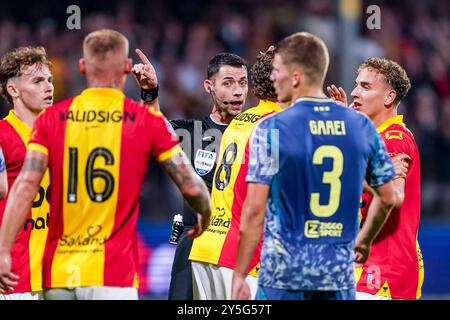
181,36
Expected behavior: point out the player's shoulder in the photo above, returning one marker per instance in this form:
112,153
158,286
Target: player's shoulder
11,131
4,125
64,104
248,117
141,111
6,129
269,120
282,115
12,125
397,131
399,139
184,123
56,109
134,106
260,109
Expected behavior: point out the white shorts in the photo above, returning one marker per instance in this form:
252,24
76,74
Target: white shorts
368,296
211,282
92,293
36,295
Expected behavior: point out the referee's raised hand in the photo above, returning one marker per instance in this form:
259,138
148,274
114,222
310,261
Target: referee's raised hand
144,72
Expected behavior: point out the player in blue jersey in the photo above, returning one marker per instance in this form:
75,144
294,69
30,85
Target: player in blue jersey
306,172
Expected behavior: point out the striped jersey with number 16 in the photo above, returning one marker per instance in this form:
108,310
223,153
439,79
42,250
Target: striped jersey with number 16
98,146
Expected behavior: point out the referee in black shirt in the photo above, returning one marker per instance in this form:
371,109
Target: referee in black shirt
227,84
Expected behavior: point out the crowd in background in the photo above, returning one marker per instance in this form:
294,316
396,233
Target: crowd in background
181,36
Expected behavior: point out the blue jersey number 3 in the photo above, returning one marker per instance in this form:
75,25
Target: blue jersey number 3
329,177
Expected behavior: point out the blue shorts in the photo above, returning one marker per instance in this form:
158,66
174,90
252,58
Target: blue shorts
265,293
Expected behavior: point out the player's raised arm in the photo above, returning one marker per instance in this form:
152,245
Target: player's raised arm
17,208
145,75
192,188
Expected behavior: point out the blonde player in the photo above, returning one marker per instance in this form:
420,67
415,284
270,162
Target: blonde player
26,82
97,147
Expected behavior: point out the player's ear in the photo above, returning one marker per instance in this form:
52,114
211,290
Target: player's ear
12,90
389,98
207,84
128,65
296,77
82,65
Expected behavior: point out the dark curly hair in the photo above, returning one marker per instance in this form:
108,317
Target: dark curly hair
394,74
262,86
11,64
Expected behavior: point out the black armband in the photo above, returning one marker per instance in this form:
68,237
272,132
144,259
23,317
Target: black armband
149,95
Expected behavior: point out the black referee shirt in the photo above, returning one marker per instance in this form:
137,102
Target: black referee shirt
200,140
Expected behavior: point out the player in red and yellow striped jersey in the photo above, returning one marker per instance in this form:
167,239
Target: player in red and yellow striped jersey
97,146
3,176
213,254
26,81
394,269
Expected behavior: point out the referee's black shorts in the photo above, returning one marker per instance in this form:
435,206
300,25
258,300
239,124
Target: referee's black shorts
181,275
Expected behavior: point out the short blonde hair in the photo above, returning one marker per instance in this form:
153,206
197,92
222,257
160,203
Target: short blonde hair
98,43
308,51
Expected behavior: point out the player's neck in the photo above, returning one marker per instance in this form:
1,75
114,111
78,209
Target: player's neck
382,117
312,92
102,83
25,115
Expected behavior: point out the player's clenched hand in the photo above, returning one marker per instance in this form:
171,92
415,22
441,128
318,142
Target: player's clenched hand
7,279
338,95
144,72
362,251
199,227
400,163
240,290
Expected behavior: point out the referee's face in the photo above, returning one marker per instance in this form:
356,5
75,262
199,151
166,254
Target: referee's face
229,89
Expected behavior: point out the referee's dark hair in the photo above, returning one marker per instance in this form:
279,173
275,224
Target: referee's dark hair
224,59
262,86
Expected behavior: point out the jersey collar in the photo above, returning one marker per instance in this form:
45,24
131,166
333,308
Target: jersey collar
21,127
217,123
394,120
102,92
312,99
